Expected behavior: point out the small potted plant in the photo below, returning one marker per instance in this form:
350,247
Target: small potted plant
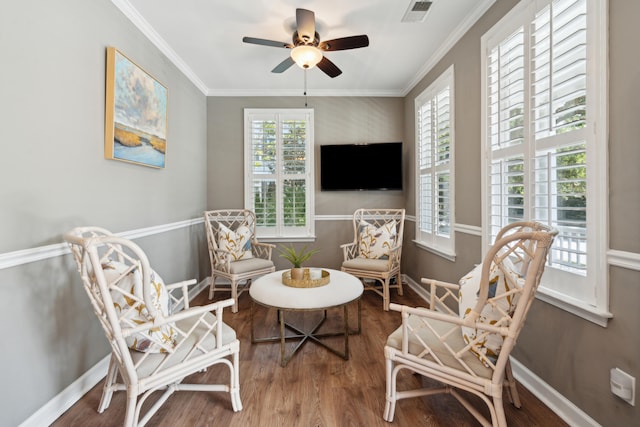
296,258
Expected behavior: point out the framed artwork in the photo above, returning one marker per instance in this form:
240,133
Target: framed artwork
135,113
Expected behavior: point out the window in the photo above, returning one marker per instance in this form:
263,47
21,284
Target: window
434,166
545,141
279,172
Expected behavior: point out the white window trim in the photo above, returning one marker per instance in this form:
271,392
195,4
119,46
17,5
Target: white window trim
290,234
597,158
441,246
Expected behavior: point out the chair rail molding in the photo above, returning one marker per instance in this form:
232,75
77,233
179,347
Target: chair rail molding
25,256
630,260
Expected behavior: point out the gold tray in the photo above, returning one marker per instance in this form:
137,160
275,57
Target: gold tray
307,281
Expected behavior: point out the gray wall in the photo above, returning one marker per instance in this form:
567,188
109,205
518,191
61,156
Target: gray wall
338,120
576,354
54,177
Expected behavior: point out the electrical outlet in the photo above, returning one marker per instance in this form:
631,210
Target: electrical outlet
623,385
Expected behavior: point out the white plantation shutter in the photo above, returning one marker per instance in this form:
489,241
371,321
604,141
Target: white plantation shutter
263,164
278,171
559,63
506,110
559,39
506,92
295,171
506,203
537,115
434,155
561,200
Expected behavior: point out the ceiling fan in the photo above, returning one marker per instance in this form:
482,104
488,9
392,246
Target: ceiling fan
307,49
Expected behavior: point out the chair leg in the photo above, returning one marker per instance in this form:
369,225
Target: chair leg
109,383
386,299
212,285
399,281
501,418
390,404
234,295
130,417
236,403
512,391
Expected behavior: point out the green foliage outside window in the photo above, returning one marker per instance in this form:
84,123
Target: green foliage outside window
570,167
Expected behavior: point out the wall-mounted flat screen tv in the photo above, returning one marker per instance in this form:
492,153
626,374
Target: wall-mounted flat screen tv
347,167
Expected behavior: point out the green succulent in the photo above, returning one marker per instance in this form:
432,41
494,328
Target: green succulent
296,258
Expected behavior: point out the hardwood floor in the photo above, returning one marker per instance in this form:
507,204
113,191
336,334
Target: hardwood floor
317,388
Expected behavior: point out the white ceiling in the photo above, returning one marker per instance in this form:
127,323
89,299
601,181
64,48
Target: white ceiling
204,39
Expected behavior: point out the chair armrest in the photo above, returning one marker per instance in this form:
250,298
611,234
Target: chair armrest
451,292
469,321
349,250
198,311
394,257
262,250
222,257
176,301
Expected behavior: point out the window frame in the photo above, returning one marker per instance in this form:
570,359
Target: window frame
595,136
438,244
280,232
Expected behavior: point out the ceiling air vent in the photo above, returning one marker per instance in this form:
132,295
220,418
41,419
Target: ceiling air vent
417,11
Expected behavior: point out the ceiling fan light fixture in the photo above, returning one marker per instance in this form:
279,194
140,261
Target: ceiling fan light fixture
306,56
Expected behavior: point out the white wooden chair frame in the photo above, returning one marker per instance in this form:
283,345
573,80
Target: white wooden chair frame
374,279
202,340
222,261
429,341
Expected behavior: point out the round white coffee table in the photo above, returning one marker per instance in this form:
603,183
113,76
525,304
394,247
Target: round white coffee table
342,289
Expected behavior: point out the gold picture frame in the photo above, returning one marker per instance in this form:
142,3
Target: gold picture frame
135,113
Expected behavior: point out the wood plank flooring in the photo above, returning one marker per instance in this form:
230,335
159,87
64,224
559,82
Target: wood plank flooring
316,389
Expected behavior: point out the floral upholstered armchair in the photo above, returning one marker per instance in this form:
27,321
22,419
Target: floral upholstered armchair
375,253
234,251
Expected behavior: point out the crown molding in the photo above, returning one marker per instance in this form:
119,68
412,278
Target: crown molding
143,25
448,44
300,93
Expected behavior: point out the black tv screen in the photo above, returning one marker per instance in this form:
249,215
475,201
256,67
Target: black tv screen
361,166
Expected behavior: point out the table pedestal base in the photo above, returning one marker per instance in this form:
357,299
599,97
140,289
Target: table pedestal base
311,335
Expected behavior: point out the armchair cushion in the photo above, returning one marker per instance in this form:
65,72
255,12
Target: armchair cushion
362,263
238,242
200,338
502,279
247,265
375,243
129,304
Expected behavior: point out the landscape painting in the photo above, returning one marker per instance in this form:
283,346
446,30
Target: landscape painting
135,115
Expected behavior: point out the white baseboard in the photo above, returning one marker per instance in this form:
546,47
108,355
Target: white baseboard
57,406
559,404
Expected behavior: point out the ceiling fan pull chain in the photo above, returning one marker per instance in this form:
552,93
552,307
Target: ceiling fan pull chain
305,87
